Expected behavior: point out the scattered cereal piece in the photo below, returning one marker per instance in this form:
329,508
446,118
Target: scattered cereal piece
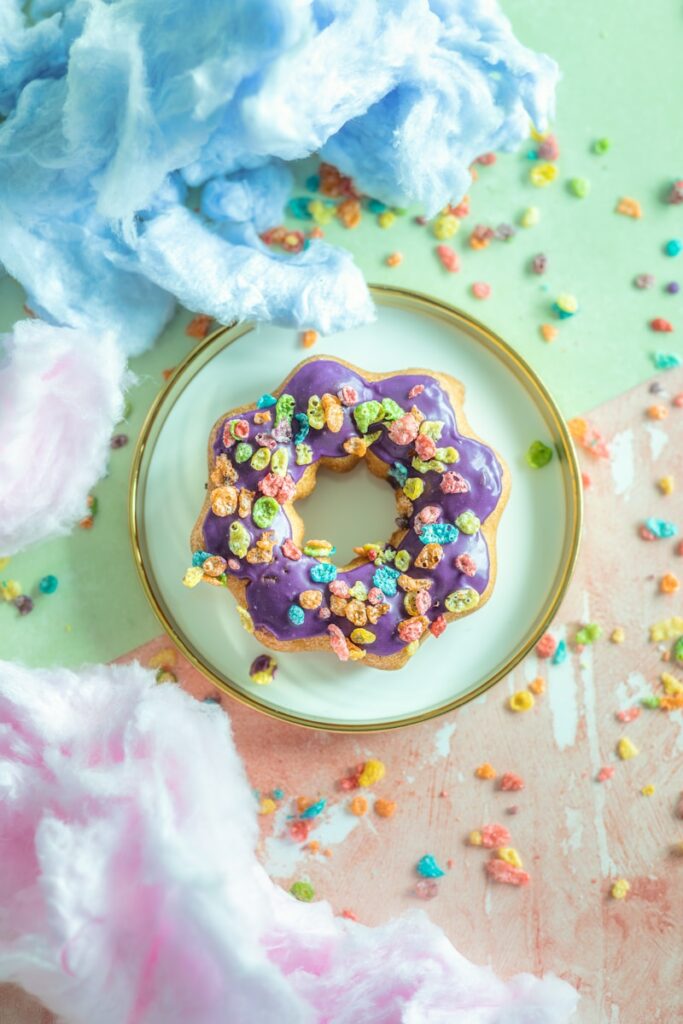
23,603
669,583
481,290
629,207
627,714
539,264
644,281
449,259
485,771
308,338
605,773
426,888
510,856
385,808
548,332
661,325
199,325
560,654
673,288
48,584
428,868
675,196
657,412
672,687
475,838
565,306
537,685
579,187
538,454
660,528
394,259
511,783
666,484
668,629
600,146
626,749
358,806
673,247
303,891
521,701
647,790
588,634
373,771
588,437
541,174
494,835
530,217
620,889
500,871
267,805
546,646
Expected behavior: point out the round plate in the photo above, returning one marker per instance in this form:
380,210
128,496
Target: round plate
538,535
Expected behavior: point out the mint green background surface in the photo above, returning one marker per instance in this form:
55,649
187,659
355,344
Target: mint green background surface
623,79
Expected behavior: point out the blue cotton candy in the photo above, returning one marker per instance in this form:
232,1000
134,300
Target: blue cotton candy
112,109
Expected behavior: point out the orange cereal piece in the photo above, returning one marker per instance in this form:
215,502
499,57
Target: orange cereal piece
349,213
308,338
302,802
359,806
394,259
537,685
669,583
313,846
485,771
548,332
629,207
385,808
198,326
657,412
671,703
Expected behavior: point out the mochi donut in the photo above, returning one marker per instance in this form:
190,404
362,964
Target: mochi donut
437,565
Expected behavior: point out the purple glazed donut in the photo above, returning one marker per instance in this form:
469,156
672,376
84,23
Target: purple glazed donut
439,562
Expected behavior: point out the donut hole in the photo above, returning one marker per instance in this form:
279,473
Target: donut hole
348,509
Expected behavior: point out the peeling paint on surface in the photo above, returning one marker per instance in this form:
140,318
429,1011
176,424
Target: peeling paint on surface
622,462
442,740
562,697
658,440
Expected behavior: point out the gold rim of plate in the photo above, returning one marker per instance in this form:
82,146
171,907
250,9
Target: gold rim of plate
401,297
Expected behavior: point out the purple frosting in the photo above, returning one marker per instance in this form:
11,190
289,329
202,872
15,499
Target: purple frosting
273,588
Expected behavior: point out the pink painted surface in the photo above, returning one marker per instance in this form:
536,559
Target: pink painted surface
575,835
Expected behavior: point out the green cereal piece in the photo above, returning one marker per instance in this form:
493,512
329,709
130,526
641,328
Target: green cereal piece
264,511
425,467
303,891
413,487
579,187
678,649
279,461
359,590
601,146
284,409
367,413
239,539
260,458
402,560
538,455
462,600
243,451
447,455
304,454
233,426
371,438
315,413
468,522
392,410
432,428
588,634
651,701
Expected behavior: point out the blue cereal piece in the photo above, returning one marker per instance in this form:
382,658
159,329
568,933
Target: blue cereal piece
266,401
323,572
296,615
666,360
428,868
302,427
399,473
312,182
314,810
199,557
298,207
385,578
661,527
560,654
439,533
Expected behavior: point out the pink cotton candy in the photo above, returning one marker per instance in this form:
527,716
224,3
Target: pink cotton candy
130,892
61,394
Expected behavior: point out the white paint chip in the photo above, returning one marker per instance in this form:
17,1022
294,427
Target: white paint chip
622,462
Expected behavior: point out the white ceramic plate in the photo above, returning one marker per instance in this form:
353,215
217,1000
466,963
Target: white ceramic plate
506,405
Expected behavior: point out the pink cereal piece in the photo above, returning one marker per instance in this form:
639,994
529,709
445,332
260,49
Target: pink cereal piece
628,714
449,261
423,602
645,534
403,430
269,485
338,642
494,835
299,830
481,290
428,514
241,429
234,564
511,783
339,588
287,489
324,612
437,627
350,915
466,565
549,148
411,629
453,483
545,648
425,447
417,389
290,550
677,400
500,871
679,548
605,773
375,595
486,159
347,395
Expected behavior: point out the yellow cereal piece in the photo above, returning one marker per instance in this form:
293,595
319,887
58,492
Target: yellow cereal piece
485,771
475,838
671,685
629,207
626,750
246,620
411,648
267,806
542,174
9,589
445,226
193,576
413,487
617,636
162,659
536,135
386,218
648,790
521,701
668,629
529,217
665,484
620,889
373,771
4,562
363,636
510,856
